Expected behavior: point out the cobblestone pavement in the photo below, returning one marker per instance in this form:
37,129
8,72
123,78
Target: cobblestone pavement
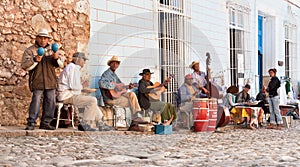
236,147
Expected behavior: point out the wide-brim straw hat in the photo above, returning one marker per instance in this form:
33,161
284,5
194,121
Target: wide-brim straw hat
114,58
193,63
43,33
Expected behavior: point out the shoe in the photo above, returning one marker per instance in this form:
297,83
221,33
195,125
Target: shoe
85,127
105,127
30,126
271,126
278,127
47,127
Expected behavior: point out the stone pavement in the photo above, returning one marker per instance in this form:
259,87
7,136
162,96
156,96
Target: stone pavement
67,147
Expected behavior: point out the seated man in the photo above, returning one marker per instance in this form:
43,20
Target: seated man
147,89
69,90
187,93
263,101
243,96
114,92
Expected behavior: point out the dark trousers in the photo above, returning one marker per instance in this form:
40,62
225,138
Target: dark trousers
49,100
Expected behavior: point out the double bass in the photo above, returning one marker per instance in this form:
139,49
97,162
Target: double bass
215,91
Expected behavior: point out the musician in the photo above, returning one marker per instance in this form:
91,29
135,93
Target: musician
199,78
187,93
69,90
145,88
110,81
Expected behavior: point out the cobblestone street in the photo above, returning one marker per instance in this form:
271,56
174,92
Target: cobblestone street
236,147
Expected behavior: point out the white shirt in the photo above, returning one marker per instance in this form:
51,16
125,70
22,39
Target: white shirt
199,78
69,82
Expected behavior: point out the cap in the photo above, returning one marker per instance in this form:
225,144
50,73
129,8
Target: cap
80,55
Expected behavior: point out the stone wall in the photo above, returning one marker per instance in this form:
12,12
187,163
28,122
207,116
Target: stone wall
69,25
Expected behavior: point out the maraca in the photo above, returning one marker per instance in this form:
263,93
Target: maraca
41,51
54,47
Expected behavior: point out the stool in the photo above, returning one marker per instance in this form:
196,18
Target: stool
59,107
182,121
287,121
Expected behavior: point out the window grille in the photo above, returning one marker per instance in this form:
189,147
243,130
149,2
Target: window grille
290,48
239,41
173,37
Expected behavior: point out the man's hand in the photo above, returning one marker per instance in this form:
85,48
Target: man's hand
38,58
130,86
55,55
205,90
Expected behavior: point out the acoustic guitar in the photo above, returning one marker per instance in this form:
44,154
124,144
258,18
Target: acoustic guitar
115,93
159,88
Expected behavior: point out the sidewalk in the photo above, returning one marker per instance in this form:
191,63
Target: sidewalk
17,131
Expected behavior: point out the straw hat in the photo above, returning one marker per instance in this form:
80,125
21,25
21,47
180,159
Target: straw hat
193,63
43,33
114,58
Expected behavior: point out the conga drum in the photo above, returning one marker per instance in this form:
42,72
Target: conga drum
213,110
200,114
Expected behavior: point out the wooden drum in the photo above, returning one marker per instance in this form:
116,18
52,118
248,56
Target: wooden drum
212,118
200,114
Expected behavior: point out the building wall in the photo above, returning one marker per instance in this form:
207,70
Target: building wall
68,24
127,29
210,34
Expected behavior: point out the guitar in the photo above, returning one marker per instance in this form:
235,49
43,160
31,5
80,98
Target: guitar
159,88
115,93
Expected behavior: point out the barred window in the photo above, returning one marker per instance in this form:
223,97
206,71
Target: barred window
173,37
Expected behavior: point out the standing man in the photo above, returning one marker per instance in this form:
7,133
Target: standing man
114,92
145,89
70,89
41,62
199,78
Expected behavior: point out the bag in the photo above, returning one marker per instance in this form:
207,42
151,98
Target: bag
292,113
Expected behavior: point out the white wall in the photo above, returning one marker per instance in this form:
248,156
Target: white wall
210,34
123,28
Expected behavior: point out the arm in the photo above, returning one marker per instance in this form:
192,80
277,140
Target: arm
28,60
106,81
184,94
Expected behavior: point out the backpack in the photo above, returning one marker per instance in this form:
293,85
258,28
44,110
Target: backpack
292,113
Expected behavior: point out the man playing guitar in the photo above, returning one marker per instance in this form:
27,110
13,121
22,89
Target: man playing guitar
110,82
145,90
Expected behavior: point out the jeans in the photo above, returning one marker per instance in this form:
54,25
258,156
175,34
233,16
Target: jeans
274,110
48,106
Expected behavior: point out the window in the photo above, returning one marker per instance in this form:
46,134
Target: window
238,35
290,46
173,37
